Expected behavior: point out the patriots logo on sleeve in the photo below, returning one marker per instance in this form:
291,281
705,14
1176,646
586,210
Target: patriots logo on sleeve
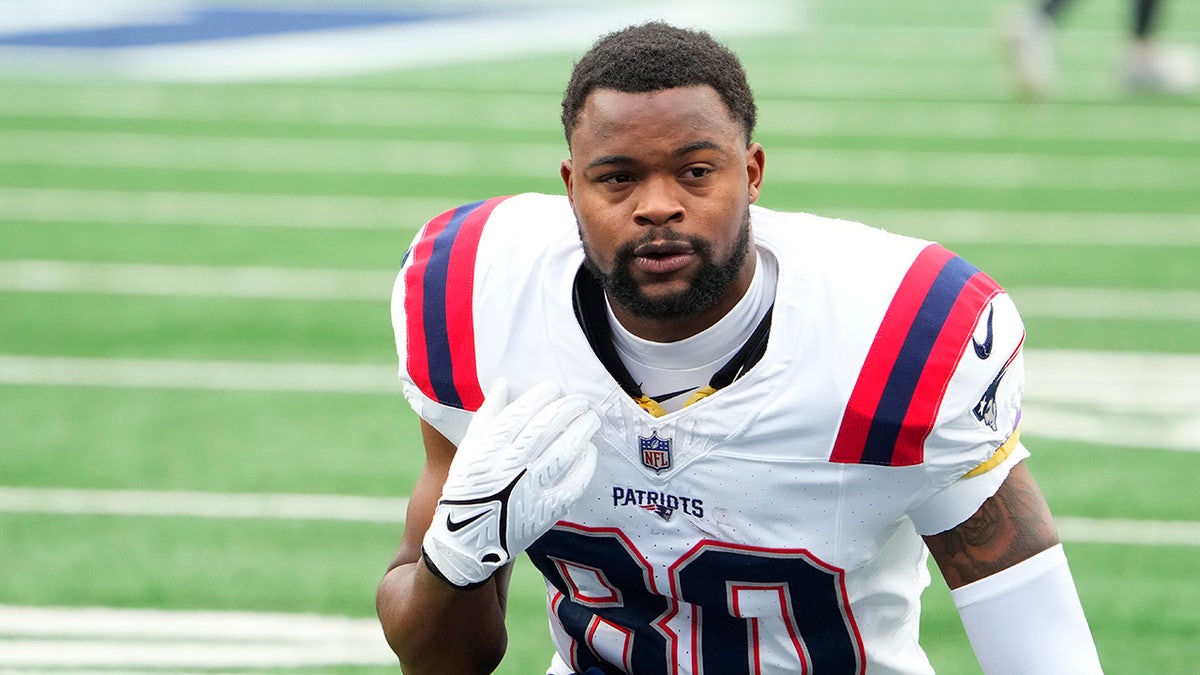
985,410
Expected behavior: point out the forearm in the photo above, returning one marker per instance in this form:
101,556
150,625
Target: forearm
1028,619
435,628
442,603
1010,582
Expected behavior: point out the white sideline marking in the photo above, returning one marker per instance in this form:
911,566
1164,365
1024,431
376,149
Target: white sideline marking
52,276
392,510
1126,173
324,53
203,504
24,16
46,637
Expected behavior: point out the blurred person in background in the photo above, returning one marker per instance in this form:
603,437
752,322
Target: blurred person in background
1148,65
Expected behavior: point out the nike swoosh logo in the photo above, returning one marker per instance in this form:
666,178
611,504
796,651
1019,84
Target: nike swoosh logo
455,526
984,350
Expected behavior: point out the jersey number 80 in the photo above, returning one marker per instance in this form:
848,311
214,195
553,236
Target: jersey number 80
731,609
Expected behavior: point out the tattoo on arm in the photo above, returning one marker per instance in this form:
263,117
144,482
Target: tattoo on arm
1011,526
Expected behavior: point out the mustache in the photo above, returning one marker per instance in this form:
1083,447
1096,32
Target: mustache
627,252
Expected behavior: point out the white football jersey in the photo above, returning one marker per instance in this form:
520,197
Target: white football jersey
771,527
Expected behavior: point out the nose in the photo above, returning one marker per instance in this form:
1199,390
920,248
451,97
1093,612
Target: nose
657,203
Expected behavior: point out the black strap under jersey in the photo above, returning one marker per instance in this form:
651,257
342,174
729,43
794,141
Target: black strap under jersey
587,299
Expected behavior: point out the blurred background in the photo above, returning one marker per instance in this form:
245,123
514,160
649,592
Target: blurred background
204,455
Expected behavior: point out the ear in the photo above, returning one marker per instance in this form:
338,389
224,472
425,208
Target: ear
567,172
755,162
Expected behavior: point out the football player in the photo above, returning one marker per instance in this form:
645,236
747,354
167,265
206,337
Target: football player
1149,65
727,436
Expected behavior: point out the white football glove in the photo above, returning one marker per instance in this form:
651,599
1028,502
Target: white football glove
518,470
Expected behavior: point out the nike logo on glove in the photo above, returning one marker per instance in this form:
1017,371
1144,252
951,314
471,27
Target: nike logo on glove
455,526
984,350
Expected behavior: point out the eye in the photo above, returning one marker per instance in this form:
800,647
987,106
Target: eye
697,171
616,178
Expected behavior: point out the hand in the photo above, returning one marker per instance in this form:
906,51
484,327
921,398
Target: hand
518,470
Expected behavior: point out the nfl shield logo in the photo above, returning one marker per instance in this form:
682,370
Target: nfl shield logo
656,452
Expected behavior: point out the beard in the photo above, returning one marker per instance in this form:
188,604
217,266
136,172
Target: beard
710,284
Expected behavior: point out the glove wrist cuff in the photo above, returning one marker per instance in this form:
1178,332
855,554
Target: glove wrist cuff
429,564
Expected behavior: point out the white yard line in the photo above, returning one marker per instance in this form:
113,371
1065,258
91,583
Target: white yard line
1074,229
223,209
33,206
203,504
387,109
1128,532
1111,398
132,503
50,276
94,638
1118,304
966,120
1136,382
68,656
1112,381
301,154
62,638
202,375
1155,431
997,170
166,625
53,276
332,105
993,170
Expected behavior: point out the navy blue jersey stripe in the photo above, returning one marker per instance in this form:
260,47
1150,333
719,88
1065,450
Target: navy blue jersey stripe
437,335
910,363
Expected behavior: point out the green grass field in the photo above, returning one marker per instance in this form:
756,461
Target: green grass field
177,259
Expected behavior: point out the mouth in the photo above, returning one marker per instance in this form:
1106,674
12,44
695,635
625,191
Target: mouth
663,257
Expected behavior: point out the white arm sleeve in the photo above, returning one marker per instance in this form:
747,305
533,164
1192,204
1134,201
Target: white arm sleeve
1028,619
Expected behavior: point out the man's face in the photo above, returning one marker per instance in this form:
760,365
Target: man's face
661,185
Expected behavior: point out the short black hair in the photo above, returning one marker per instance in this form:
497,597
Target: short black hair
655,56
